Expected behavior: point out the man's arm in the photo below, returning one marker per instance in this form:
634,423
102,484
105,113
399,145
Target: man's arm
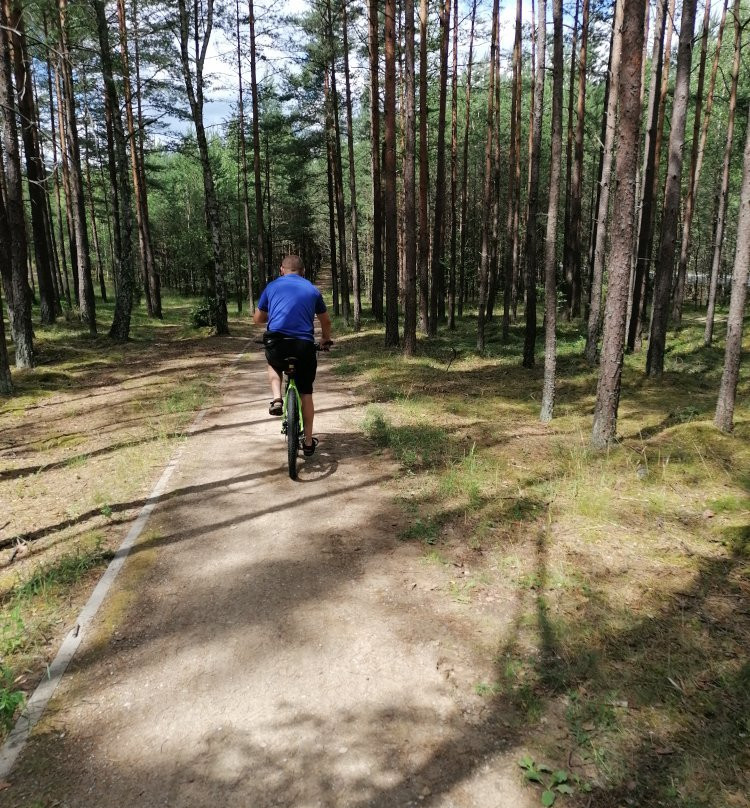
260,317
325,325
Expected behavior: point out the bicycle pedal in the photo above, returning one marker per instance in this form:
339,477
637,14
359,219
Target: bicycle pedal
284,428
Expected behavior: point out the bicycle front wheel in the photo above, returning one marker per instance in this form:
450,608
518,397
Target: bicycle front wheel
292,430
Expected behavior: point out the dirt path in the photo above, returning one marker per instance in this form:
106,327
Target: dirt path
272,643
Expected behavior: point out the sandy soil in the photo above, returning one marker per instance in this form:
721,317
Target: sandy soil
273,643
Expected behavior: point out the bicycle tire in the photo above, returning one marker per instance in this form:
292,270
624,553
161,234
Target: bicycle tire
292,430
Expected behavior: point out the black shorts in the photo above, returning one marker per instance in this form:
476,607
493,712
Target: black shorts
279,349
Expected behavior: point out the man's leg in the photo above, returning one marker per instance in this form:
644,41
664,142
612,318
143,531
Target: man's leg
308,413
275,378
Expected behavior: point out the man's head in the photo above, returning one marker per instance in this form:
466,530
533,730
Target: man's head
292,265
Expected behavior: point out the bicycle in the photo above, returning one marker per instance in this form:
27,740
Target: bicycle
291,419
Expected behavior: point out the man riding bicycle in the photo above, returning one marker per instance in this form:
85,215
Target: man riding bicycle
289,305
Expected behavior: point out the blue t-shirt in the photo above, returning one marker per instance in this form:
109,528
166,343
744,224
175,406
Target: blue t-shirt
292,303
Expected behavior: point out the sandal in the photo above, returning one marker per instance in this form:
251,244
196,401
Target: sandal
309,451
276,407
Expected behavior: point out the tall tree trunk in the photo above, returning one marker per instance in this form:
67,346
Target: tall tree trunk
465,168
665,261
377,192
119,187
568,279
75,179
454,172
514,176
64,264
150,277
602,215
424,177
650,175
90,191
550,243
65,166
217,287
436,265
529,344
6,383
331,200
338,174
573,256
260,257
410,212
356,272
243,166
640,312
724,417
721,212
687,217
34,167
14,272
484,268
615,322
389,169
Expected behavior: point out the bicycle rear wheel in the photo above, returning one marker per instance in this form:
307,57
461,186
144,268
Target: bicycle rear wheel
292,429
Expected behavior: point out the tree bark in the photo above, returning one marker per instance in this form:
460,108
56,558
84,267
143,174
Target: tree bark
217,288
389,166
568,279
85,286
649,174
454,173
376,294
529,345
410,213
436,255
119,187
484,267
687,216
14,272
243,166
261,233
721,212
424,177
56,171
331,200
35,172
465,168
573,256
602,215
665,262
514,177
356,272
724,417
613,342
550,244
338,175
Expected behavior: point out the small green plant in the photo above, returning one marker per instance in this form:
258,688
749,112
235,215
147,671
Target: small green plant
10,699
12,631
552,782
203,315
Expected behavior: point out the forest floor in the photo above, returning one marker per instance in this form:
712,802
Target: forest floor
450,590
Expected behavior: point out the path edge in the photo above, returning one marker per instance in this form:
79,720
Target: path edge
37,703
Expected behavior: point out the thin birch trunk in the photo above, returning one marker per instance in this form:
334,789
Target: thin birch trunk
721,212
550,245
532,225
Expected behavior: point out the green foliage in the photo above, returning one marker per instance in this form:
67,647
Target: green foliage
10,698
553,783
203,315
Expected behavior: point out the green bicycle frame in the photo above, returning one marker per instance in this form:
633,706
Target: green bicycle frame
292,386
